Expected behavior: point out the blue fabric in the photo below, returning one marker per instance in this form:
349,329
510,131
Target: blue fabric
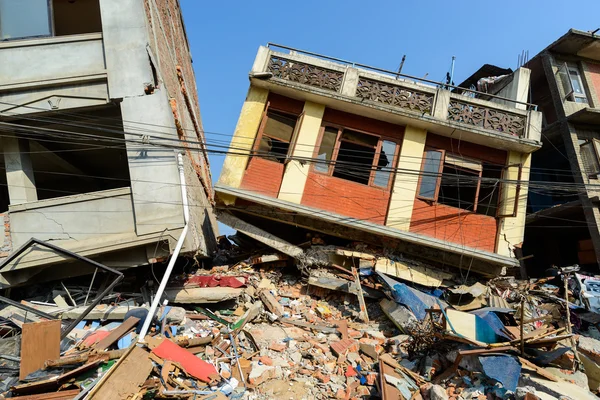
494,322
415,300
504,369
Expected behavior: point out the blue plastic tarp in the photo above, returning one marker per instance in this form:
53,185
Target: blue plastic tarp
504,369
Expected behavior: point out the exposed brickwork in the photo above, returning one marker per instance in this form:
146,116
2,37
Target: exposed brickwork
595,75
347,198
6,248
454,225
263,176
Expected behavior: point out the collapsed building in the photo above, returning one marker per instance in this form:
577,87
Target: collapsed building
425,171
101,132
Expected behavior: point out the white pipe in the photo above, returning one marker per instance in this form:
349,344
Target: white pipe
167,275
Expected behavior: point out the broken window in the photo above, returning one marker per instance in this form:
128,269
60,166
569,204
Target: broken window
572,82
275,135
356,156
459,182
590,149
20,19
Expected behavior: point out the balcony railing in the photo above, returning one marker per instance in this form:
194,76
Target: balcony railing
399,92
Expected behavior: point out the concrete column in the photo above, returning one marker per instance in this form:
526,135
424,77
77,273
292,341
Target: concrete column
350,82
518,89
512,229
234,165
19,171
440,106
261,61
296,172
405,183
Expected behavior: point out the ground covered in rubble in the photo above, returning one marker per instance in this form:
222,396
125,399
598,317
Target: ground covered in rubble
258,326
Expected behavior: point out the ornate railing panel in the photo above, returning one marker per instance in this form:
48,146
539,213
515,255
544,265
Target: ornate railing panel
306,73
488,118
394,95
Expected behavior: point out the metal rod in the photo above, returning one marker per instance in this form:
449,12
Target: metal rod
90,289
68,293
396,73
522,326
26,308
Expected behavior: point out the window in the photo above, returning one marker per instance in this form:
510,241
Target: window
275,135
356,156
572,83
24,18
590,149
459,182
21,19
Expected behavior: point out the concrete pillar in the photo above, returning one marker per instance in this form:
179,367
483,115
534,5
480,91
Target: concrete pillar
245,132
440,105
518,89
261,61
405,183
296,172
350,82
19,171
512,229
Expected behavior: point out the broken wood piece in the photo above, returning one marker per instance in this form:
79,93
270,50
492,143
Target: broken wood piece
85,357
53,383
306,325
271,302
412,272
40,341
117,333
364,315
342,285
126,377
62,395
538,370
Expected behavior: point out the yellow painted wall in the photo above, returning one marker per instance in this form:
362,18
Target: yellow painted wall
405,184
512,229
296,173
243,139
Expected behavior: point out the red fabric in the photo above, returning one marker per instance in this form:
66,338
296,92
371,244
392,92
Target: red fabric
194,366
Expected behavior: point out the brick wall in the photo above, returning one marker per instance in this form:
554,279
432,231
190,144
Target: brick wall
6,248
454,225
172,60
347,198
263,176
595,75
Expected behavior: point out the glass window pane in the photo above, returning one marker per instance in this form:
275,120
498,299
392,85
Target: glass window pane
386,160
360,138
354,162
575,81
24,18
279,126
430,177
326,149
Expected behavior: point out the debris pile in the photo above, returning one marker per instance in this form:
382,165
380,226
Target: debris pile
358,324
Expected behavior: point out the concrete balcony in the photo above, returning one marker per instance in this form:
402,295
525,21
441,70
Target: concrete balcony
392,98
52,73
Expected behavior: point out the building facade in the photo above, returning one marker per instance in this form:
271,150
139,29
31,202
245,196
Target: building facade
364,154
563,226
97,104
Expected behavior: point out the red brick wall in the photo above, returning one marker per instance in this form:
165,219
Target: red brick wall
454,225
595,74
347,198
263,177
450,223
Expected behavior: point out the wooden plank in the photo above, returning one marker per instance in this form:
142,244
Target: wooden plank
40,341
361,299
540,371
62,395
116,333
53,383
127,377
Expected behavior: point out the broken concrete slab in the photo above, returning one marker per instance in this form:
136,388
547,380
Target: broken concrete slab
342,285
202,295
411,272
401,316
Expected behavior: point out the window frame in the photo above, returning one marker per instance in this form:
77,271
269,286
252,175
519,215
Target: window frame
50,7
595,144
261,128
336,150
435,198
572,95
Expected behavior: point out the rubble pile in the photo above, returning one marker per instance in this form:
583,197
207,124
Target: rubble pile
361,324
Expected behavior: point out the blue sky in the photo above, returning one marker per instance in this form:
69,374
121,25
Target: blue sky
225,35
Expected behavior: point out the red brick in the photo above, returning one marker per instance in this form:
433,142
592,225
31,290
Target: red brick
595,75
263,176
341,347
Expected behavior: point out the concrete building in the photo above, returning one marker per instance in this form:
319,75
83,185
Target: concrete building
359,153
563,202
97,102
